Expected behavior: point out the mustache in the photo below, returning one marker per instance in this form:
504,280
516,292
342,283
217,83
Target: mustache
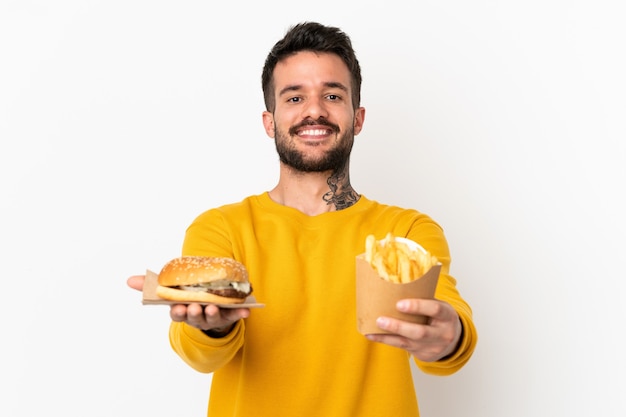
310,122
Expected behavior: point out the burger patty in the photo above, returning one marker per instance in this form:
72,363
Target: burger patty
229,292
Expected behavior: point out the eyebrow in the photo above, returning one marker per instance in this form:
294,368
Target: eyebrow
297,87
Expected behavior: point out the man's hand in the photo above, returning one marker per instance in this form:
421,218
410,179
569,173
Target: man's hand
426,342
209,317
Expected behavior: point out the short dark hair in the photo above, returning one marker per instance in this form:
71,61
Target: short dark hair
315,37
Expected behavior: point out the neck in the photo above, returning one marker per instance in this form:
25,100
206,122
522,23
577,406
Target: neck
314,193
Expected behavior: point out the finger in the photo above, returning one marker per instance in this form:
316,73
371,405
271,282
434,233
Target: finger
212,312
403,328
236,314
195,312
178,312
394,340
224,316
136,282
423,307
196,317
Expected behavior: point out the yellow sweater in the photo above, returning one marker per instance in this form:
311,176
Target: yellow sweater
301,354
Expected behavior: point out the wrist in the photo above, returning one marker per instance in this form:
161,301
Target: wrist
456,344
219,332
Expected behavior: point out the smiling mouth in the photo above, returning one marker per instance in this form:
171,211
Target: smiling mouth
312,133
314,129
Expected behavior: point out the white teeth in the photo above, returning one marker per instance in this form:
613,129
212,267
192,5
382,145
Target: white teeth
313,132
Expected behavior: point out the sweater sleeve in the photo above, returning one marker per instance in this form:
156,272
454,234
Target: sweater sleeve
206,236
430,235
201,352
467,344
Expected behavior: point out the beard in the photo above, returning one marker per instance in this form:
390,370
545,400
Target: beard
333,160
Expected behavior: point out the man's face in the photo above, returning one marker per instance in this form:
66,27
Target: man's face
314,122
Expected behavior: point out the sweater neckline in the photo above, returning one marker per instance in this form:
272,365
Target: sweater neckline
267,203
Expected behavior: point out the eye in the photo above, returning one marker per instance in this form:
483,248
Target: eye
294,100
333,97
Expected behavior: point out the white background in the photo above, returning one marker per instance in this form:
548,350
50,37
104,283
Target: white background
120,121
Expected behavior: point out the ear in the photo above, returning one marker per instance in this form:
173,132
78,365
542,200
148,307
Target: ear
268,123
359,118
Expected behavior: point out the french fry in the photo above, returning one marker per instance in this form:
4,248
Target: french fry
370,247
390,257
404,266
378,262
395,261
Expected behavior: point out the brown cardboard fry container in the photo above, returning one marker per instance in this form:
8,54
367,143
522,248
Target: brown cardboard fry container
377,297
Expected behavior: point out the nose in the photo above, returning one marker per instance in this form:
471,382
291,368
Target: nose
314,108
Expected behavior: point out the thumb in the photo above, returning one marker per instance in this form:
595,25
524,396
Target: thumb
136,282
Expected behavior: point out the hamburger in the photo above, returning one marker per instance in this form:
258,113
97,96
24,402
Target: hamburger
200,279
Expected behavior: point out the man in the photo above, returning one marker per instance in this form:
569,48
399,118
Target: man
301,354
